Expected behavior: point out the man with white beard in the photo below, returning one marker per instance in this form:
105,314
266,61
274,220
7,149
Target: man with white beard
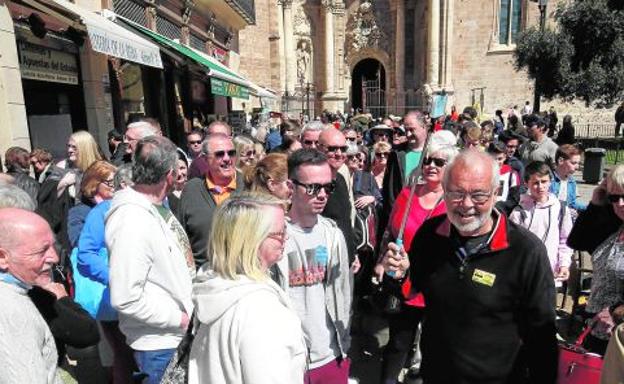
487,284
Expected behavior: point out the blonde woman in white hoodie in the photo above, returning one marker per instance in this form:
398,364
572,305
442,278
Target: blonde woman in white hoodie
246,329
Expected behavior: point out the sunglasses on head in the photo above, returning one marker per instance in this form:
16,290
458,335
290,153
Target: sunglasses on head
436,161
615,198
221,154
314,188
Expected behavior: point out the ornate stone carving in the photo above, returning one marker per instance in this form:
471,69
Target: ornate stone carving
301,22
304,59
363,30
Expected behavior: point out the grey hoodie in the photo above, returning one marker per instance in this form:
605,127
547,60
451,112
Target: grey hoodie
247,332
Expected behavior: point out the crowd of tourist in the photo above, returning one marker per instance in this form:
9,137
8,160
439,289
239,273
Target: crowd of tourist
247,259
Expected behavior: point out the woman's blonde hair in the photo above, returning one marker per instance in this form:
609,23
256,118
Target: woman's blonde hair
239,227
615,178
88,150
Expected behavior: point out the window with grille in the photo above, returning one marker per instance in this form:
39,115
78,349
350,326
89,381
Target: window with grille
198,43
510,21
167,28
130,10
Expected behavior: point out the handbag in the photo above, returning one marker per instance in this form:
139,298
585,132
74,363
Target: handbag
177,369
576,364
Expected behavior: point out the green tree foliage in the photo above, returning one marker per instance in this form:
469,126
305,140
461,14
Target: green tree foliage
583,57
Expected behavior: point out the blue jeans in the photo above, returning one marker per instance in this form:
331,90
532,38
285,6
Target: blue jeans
153,363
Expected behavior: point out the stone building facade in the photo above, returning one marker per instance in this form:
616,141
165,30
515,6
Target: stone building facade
387,56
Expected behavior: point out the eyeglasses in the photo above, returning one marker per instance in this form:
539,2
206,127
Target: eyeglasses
478,197
615,198
221,154
386,134
336,148
195,142
249,153
310,143
280,236
109,183
382,155
435,160
314,189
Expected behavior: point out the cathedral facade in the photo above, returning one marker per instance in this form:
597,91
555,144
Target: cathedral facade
387,56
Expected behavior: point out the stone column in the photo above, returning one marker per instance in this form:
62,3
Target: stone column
446,78
14,123
433,44
399,56
329,47
280,46
290,60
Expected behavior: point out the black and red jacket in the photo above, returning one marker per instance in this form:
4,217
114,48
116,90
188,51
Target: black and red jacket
494,329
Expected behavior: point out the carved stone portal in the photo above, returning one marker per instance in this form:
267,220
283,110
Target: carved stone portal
363,30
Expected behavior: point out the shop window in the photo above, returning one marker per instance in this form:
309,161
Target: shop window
510,21
132,96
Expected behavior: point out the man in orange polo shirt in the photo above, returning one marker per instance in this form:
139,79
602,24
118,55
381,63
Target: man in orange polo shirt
202,195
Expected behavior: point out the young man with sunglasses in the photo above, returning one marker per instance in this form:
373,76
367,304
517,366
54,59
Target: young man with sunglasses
201,196
314,271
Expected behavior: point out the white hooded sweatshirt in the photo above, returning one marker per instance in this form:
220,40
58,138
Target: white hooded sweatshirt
247,333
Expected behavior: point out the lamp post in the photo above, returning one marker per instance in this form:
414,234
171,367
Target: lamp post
541,4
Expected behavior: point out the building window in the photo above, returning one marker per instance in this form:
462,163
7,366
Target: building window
510,21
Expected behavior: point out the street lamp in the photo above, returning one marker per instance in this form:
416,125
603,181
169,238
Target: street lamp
541,4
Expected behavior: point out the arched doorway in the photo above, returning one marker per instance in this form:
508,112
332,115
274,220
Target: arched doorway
368,85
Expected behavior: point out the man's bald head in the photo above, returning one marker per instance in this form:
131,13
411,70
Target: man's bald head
330,136
333,144
219,127
26,246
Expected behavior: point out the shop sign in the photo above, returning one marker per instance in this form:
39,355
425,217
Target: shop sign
220,55
224,88
45,64
107,43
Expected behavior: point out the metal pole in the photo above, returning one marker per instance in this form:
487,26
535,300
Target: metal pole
308,100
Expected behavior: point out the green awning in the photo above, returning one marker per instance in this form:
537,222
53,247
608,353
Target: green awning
227,82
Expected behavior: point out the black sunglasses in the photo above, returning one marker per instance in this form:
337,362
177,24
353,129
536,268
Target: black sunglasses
436,161
194,142
335,148
351,138
615,198
221,154
314,189
310,142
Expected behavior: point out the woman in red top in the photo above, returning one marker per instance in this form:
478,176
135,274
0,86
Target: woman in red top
427,203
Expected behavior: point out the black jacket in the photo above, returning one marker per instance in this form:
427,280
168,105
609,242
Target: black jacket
592,227
338,208
194,211
493,323
393,183
69,323
25,182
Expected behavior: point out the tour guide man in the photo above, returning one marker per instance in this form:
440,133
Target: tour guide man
488,286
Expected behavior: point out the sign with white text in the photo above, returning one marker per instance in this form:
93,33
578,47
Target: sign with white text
45,64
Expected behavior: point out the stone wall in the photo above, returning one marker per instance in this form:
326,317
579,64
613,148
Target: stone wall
255,47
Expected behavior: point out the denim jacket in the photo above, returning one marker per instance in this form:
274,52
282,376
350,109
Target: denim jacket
573,203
